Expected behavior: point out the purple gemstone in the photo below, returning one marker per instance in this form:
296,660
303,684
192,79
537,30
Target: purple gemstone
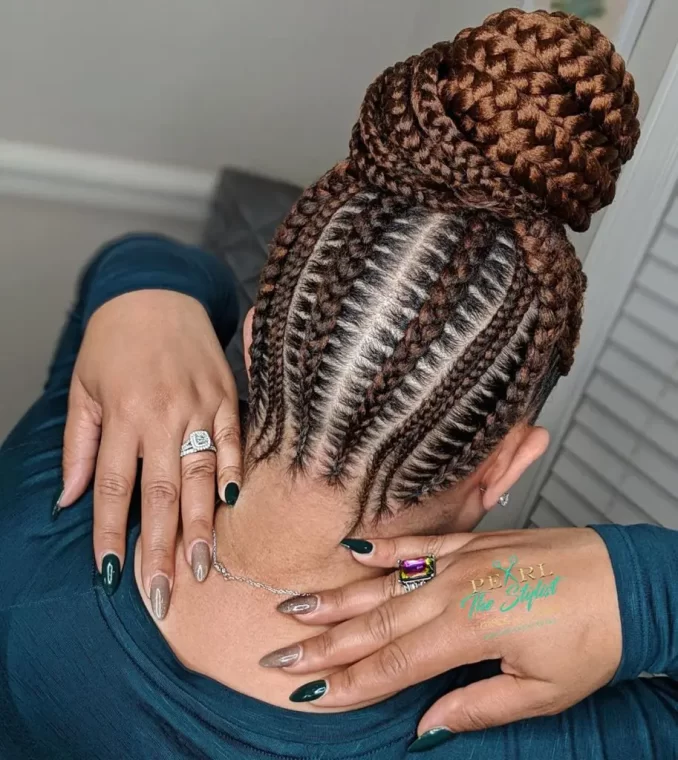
415,565
420,568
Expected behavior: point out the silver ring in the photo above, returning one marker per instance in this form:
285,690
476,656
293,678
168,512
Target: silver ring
198,440
417,572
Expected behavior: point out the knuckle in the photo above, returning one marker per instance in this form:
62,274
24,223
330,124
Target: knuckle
110,537
338,598
229,473
325,646
200,468
159,552
434,545
111,485
392,661
160,494
390,548
381,624
227,434
200,526
550,704
392,586
470,718
346,682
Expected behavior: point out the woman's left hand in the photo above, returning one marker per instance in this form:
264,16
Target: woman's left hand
150,371
543,602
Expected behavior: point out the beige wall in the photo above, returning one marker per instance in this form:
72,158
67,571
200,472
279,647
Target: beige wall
272,85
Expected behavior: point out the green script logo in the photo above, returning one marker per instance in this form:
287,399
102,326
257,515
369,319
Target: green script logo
519,586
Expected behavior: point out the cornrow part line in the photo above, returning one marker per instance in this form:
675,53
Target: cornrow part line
307,221
423,330
293,240
550,258
466,371
428,466
346,266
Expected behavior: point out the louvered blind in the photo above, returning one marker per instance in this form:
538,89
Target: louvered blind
618,461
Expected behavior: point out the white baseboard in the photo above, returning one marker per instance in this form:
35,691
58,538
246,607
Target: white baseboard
46,173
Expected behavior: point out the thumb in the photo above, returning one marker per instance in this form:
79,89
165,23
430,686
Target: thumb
484,704
81,443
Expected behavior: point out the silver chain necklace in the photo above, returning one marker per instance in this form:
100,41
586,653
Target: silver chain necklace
227,575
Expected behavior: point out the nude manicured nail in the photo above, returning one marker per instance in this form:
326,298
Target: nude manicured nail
160,596
281,658
299,605
200,561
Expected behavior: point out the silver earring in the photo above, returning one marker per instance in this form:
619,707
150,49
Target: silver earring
504,499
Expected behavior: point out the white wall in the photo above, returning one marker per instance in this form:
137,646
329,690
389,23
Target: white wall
271,85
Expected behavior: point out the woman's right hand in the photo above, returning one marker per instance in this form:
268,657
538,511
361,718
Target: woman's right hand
543,602
150,371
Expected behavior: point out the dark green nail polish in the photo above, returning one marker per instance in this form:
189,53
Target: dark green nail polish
309,692
110,573
358,546
231,493
56,509
433,738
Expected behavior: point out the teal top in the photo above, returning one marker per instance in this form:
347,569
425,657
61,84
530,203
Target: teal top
84,676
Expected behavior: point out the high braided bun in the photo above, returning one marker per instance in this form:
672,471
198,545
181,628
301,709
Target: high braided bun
531,112
422,297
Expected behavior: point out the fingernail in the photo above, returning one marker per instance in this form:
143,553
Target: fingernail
56,509
231,493
309,692
433,738
358,546
281,658
299,605
110,573
160,594
201,560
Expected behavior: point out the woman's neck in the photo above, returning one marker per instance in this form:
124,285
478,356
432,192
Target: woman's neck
286,534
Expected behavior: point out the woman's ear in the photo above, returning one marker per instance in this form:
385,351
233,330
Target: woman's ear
522,447
247,339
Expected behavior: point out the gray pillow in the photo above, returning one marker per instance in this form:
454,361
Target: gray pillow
244,213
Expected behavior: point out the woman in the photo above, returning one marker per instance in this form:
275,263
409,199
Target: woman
418,306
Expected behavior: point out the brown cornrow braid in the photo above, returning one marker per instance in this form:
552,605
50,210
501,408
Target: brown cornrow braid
293,240
293,244
422,297
425,328
555,297
475,361
333,289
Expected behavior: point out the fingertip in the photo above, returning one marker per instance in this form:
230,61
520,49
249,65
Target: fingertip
110,570
300,605
159,594
200,559
358,547
434,737
230,493
310,692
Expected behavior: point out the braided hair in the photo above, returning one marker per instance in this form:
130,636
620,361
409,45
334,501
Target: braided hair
422,297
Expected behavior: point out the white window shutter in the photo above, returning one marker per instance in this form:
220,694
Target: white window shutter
618,461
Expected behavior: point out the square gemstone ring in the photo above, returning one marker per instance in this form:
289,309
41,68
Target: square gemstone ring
200,440
413,573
